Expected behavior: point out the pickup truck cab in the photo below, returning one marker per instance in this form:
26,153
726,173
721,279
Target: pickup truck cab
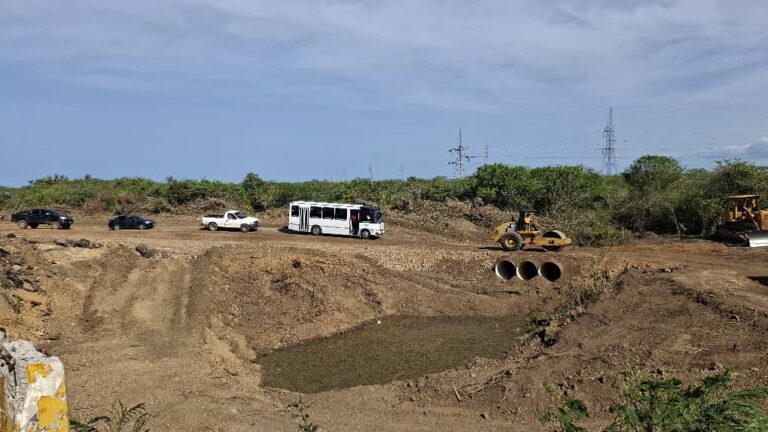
36,217
232,219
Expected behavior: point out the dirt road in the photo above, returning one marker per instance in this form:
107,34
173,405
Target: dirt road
184,331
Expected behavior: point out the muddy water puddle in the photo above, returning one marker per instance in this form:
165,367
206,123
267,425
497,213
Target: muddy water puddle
398,348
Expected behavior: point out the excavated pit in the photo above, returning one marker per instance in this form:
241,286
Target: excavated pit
397,348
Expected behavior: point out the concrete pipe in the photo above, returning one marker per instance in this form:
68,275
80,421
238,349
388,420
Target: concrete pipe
551,271
527,270
505,268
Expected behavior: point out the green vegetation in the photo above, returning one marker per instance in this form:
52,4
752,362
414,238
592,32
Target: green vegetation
120,419
565,412
298,411
654,194
666,405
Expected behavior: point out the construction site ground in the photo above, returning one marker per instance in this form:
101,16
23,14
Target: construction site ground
184,330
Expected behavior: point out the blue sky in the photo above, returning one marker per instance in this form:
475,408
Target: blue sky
325,89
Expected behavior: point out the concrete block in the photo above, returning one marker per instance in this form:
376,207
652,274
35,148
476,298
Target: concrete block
33,395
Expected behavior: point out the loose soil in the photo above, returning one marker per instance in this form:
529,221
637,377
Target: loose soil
198,330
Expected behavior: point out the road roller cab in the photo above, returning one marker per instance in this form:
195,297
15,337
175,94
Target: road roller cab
514,236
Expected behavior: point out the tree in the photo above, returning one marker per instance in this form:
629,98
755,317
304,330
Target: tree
507,187
654,183
653,173
734,177
256,191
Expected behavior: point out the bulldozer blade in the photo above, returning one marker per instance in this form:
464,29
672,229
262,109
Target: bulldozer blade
758,238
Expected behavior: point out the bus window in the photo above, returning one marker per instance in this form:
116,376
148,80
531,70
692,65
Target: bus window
340,214
365,215
327,212
315,212
294,210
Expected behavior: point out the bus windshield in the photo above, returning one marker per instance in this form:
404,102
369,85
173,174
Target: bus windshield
378,217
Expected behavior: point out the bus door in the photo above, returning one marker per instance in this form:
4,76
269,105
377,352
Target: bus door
354,221
303,219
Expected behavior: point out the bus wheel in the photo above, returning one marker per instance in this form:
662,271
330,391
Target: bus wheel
316,230
365,234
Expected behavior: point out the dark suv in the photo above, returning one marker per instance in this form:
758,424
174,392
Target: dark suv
131,222
36,217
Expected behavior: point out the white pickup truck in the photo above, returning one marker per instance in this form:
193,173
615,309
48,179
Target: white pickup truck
232,219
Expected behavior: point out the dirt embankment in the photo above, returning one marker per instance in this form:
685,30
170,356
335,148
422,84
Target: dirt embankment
184,330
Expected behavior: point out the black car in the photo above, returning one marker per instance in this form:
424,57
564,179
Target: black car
131,222
36,217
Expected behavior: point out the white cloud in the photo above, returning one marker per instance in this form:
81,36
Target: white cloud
757,150
482,54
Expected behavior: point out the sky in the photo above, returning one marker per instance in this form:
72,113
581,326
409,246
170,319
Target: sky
338,89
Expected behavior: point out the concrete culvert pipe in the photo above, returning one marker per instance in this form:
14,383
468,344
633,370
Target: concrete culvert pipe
505,269
527,270
551,271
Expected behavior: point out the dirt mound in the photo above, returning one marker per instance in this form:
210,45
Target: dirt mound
453,219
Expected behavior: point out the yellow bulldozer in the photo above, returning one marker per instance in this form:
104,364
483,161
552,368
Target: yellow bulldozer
744,222
514,236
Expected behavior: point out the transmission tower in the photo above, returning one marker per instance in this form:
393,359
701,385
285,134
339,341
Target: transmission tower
609,157
461,157
485,154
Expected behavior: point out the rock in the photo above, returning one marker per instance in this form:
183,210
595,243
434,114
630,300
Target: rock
485,416
4,253
296,263
14,279
60,242
29,286
11,235
145,251
16,267
83,243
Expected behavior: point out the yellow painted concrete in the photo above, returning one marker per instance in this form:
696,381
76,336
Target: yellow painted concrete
52,412
37,368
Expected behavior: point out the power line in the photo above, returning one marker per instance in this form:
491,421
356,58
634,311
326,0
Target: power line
609,156
461,155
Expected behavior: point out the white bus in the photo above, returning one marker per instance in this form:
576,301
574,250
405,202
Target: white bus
340,219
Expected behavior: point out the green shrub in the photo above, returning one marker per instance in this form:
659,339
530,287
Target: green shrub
119,419
667,405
